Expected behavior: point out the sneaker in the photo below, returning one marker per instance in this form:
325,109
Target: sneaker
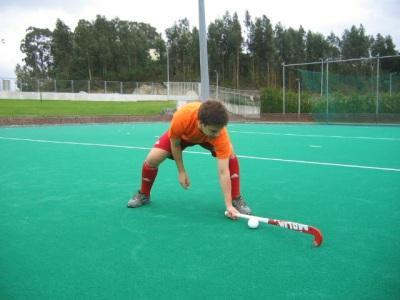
138,199
241,205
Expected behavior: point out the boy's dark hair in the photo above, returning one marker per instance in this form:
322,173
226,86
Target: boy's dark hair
213,113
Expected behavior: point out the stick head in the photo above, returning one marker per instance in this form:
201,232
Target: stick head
317,236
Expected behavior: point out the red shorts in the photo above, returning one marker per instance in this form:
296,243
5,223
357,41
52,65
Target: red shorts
164,143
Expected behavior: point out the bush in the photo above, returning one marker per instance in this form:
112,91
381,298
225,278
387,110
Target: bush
271,101
390,104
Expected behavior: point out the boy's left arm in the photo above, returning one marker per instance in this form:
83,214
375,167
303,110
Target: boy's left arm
225,181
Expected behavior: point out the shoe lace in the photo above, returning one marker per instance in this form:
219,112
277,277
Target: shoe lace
140,196
240,202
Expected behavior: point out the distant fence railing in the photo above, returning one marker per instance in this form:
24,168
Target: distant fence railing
239,102
99,87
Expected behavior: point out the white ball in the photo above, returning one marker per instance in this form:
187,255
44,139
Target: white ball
252,223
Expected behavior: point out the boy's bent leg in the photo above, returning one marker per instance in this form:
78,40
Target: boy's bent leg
237,200
150,169
149,173
156,156
234,173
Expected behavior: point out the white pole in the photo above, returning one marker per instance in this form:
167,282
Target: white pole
167,73
299,97
377,86
322,77
205,85
327,89
283,89
216,92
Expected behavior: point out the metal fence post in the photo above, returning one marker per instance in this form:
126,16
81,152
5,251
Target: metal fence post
377,87
216,81
168,91
299,97
327,89
322,77
283,89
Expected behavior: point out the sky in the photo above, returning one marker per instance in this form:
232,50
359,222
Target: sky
322,16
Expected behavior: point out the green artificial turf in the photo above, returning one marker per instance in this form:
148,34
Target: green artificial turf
66,233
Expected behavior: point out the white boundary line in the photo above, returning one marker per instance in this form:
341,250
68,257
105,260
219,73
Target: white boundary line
321,163
74,143
318,135
207,153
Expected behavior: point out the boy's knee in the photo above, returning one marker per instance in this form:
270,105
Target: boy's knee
152,163
156,157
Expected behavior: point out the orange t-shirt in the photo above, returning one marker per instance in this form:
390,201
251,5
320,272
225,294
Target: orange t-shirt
184,126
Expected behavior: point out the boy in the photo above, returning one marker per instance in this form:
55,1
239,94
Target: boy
201,124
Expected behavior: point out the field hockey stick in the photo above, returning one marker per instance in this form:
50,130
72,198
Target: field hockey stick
288,225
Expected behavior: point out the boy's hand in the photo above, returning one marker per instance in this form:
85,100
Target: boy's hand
232,212
184,180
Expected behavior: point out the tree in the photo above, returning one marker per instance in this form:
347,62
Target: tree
25,80
217,48
85,48
62,50
140,39
225,44
194,56
236,41
333,50
299,44
249,31
180,40
249,45
317,47
37,49
355,43
119,50
282,44
126,45
264,48
383,46
104,33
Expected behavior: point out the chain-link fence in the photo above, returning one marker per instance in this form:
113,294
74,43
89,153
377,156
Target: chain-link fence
364,89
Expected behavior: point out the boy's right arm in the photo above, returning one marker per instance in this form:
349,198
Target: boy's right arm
177,155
